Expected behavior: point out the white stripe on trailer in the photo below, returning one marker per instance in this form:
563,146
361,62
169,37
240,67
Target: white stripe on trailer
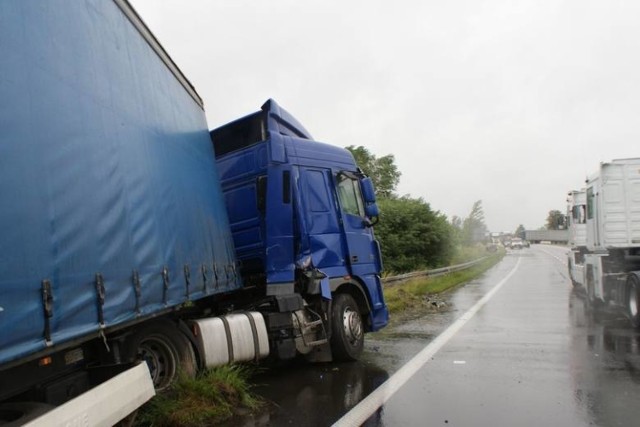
105,404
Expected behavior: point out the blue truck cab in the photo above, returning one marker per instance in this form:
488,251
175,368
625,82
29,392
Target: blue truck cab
301,215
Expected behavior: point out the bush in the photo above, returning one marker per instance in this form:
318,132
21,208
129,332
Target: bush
412,236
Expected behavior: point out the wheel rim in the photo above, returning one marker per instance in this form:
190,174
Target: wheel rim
352,325
633,300
161,360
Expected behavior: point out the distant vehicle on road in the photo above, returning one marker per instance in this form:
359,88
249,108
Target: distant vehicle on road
516,243
547,236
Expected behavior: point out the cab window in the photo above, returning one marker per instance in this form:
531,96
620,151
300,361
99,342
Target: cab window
350,196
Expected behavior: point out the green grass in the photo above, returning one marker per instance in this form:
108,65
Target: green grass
410,295
213,396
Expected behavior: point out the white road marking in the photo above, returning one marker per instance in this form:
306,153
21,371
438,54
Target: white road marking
368,406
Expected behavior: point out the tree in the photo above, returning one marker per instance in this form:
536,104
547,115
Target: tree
456,221
382,171
555,220
456,229
473,227
520,232
412,235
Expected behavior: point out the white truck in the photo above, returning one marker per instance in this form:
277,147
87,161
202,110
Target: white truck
611,262
577,227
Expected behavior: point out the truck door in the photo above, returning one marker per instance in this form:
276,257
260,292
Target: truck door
363,251
320,222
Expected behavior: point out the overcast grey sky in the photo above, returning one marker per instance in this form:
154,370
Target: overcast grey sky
510,102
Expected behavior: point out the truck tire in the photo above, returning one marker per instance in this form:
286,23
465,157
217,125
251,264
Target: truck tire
347,331
633,301
166,350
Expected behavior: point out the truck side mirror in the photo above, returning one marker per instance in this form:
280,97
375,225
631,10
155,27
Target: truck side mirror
372,211
368,193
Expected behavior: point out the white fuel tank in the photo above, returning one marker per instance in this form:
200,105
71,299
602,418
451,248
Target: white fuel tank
237,337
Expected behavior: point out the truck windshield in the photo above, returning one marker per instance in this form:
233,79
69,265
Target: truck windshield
350,196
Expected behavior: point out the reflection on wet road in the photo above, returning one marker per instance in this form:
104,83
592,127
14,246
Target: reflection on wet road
531,356
303,394
604,366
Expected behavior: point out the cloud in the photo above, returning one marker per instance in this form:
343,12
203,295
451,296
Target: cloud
509,102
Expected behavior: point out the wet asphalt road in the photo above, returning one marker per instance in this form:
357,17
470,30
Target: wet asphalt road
531,356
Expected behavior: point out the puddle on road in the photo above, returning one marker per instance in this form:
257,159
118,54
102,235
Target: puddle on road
306,394
312,394
603,355
318,394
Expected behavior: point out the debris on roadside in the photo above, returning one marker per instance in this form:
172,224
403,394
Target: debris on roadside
432,302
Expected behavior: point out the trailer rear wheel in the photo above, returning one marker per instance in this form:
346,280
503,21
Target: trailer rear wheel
347,334
166,351
633,301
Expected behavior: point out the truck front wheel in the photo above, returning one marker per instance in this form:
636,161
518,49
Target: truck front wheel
166,351
347,331
633,301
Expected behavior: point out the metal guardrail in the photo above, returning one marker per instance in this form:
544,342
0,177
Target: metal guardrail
394,280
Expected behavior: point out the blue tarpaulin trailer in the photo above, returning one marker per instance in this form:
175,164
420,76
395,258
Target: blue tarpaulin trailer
107,197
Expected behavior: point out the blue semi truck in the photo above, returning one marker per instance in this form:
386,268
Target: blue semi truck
131,233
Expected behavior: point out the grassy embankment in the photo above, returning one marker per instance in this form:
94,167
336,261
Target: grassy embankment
213,396
410,295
